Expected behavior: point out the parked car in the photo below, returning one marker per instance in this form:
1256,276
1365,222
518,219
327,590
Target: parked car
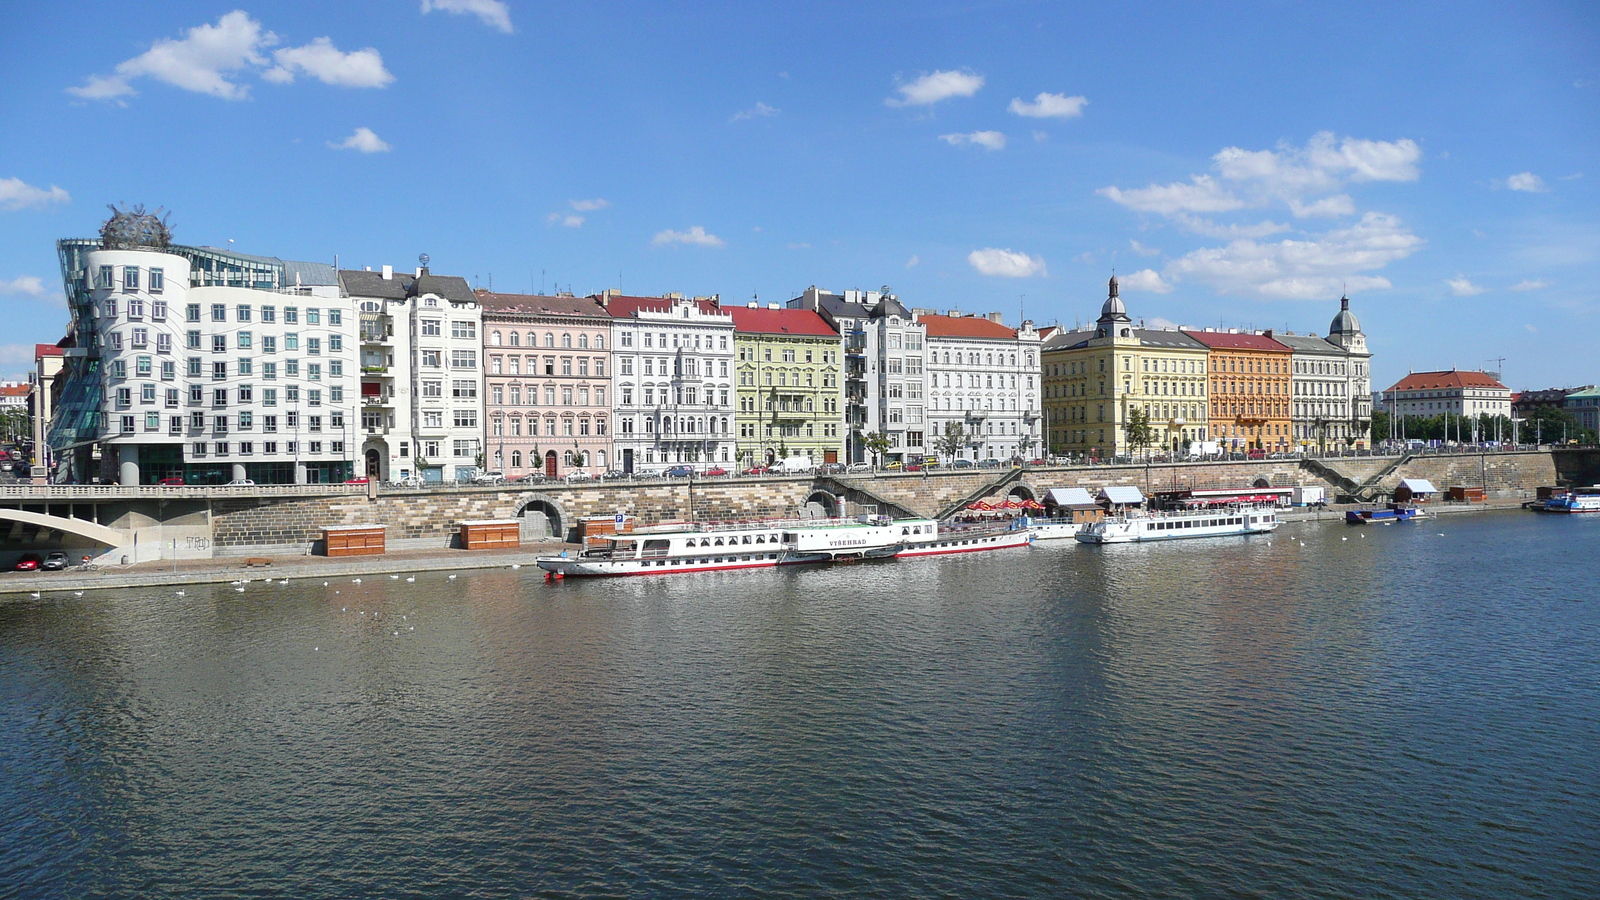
859,467
1257,454
755,470
29,562
990,463
648,473
577,475
679,472
1036,462
963,464
831,468
716,472
913,467
489,478
55,561
359,479
172,481
529,478
893,465
241,482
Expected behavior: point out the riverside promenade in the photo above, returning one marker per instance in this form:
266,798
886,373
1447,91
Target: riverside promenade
230,569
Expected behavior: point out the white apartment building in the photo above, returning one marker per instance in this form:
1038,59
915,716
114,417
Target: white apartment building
885,373
984,378
201,364
1331,383
672,360
422,413
1456,392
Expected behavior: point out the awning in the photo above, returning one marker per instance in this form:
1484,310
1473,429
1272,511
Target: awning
1122,494
1418,485
1068,496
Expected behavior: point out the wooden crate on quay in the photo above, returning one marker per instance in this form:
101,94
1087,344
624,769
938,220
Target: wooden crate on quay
353,540
491,534
1465,495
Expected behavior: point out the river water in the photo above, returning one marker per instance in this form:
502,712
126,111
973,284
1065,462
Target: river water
1399,711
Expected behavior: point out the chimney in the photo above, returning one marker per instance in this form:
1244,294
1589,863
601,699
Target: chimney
753,305
388,273
773,306
995,318
1268,332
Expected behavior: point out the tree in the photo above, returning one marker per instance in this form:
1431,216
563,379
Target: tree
1140,434
877,443
952,441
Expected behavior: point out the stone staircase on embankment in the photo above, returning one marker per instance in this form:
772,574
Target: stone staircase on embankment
979,493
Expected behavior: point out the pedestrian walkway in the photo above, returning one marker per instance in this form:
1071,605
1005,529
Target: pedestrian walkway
233,568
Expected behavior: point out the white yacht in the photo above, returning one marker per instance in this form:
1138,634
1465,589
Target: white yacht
690,547
1166,526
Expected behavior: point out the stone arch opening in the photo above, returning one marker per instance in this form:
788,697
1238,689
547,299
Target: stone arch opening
820,504
1262,483
542,518
1021,492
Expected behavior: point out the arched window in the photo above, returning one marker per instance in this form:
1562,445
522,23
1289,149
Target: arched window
516,459
599,342
566,340
549,339
494,339
583,342
567,457
516,339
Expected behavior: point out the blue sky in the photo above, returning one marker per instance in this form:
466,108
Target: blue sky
1235,164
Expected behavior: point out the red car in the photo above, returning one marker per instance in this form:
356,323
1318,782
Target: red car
755,470
716,472
1257,454
172,481
913,467
28,563
359,479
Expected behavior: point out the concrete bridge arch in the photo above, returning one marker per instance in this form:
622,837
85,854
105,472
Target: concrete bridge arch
543,516
91,532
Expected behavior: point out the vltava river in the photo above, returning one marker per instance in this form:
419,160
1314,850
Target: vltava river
1401,711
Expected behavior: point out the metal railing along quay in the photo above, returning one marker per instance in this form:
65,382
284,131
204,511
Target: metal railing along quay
49,492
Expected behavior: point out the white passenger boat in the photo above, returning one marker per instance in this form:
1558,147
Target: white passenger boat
1052,529
934,542
688,547
1158,526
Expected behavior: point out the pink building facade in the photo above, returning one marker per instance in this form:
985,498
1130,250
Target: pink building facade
547,382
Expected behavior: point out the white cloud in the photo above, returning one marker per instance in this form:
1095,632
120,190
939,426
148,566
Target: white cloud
492,13
1049,106
208,58
362,139
1527,181
912,262
321,60
1308,269
942,85
1041,137
1145,280
1531,329
1006,263
1336,205
1142,250
798,245
566,220
201,61
30,285
991,140
695,236
1202,194
760,110
1320,166
1530,284
1461,286
589,205
17,194
1231,231
16,355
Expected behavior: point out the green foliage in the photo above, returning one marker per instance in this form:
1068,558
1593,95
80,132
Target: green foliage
952,441
1138,430
877,443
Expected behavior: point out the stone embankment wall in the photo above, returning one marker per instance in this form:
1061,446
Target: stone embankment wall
433,517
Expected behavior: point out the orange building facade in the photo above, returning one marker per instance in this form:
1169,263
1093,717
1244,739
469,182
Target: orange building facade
1251,404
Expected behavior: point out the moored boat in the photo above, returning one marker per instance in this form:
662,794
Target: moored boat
1582,500
1394,512
1156,526
964,540
691,547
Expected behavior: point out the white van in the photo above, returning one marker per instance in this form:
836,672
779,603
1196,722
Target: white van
794,465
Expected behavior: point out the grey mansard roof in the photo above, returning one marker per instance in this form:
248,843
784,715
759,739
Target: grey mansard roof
404,286
1308,343
1149,337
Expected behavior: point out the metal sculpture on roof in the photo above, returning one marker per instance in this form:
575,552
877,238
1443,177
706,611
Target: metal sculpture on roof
134,229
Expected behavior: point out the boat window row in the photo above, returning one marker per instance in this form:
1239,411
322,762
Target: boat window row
732,540
754,557
1197,523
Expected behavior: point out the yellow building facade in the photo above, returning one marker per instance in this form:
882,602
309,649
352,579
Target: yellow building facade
1094,379
789,380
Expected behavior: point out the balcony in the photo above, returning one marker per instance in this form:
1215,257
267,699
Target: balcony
975,415
375,400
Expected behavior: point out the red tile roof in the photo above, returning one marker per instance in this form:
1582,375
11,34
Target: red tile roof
16,390
965,327
1438,381
40,350
778,321
1218,340
628,307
